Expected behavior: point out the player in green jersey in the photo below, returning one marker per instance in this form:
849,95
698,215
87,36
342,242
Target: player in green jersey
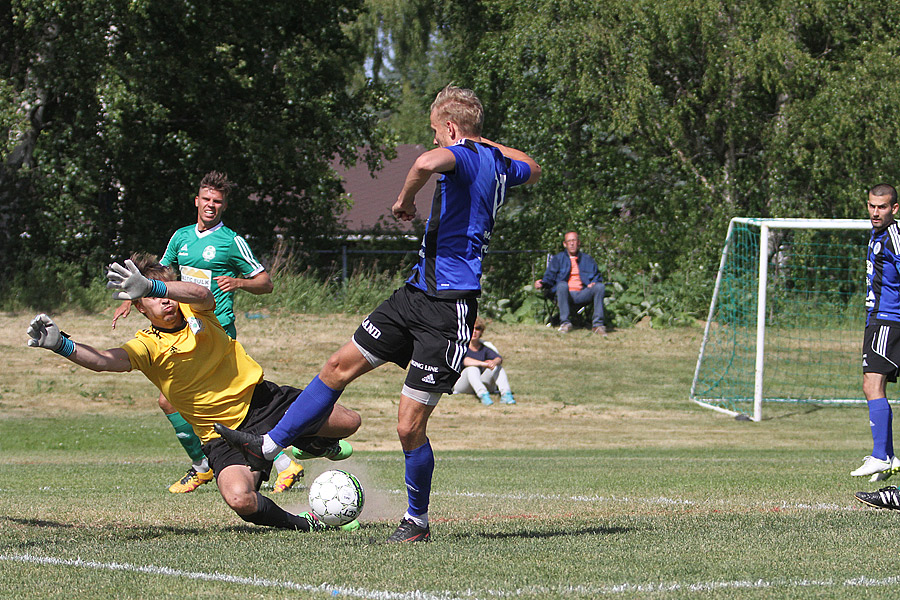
215,257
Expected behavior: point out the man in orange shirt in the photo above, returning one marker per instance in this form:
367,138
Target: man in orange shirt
573,277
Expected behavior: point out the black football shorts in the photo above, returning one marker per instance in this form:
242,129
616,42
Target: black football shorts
428,334
881,350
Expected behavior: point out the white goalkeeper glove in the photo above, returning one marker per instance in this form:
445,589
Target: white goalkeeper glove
131,284
43,333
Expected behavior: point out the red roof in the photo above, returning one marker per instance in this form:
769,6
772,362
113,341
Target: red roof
373,195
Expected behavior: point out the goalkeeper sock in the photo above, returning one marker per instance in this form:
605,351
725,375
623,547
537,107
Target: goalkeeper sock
419,469
316,400
270,514
185,434
880,421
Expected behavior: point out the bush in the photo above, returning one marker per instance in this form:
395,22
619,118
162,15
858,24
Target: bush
629,299
54,287
310,293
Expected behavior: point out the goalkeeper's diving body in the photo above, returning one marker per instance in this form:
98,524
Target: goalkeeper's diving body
209,378
427,323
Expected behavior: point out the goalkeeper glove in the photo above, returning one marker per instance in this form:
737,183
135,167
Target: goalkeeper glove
131,284
44,333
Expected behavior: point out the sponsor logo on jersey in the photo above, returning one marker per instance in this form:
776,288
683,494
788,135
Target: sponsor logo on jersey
199,276
195,324
429,378
183,251
209,253
371,329
423,366
172,350
876,249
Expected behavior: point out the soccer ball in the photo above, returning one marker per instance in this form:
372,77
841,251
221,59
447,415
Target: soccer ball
336,497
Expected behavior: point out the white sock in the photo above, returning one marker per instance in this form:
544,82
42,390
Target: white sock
270,449
420,520
202,466
282,462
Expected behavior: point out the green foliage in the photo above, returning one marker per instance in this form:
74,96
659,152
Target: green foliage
308,292
655,122
114,110
629,300
54,287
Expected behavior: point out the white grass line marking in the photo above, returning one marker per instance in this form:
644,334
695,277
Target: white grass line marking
581,590
323,588
659,500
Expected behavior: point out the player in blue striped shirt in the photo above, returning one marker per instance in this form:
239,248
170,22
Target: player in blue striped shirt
427,323
881,342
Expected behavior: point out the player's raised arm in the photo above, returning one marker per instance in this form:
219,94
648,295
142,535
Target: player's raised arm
439,160
259,284
44,333
520,156
129,284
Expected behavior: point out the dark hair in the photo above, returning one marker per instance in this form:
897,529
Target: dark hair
217,181
884,189
148,265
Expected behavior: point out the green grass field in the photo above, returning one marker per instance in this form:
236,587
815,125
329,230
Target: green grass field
604,481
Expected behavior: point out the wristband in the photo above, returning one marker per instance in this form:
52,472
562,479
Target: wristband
157,289
66,346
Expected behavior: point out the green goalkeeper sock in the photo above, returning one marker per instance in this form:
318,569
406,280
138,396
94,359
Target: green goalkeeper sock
185,434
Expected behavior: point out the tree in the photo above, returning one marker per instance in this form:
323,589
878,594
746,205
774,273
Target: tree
657,121
404,50
117,108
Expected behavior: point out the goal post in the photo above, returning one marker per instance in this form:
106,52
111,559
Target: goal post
785,322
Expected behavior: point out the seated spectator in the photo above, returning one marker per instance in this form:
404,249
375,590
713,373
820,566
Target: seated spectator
482,373
573,277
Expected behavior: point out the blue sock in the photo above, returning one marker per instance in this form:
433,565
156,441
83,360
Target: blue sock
314,401
419,468
880,421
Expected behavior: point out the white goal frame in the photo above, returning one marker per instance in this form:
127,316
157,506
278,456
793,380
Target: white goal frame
765,225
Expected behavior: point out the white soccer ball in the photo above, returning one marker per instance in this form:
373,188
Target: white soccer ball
336,497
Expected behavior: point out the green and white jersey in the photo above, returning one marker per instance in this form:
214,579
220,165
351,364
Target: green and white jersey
201,256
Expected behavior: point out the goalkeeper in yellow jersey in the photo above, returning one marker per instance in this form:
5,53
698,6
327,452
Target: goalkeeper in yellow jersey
208,378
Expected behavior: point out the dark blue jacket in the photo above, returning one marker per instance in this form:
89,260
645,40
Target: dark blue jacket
560,266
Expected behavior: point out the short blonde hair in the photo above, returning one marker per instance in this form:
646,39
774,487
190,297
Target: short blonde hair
460,106
479,323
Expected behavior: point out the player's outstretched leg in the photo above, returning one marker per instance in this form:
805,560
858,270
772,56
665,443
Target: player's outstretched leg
251,446
248,444
321,447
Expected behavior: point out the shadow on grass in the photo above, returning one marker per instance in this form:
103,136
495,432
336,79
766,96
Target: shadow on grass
129,532
808,408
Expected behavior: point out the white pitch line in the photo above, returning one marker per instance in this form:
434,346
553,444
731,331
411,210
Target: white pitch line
580,590
323,588
659,500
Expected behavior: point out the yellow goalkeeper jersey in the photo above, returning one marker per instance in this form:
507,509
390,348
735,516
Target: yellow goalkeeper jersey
204,373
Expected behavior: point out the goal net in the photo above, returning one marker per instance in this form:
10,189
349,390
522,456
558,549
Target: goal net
787,314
